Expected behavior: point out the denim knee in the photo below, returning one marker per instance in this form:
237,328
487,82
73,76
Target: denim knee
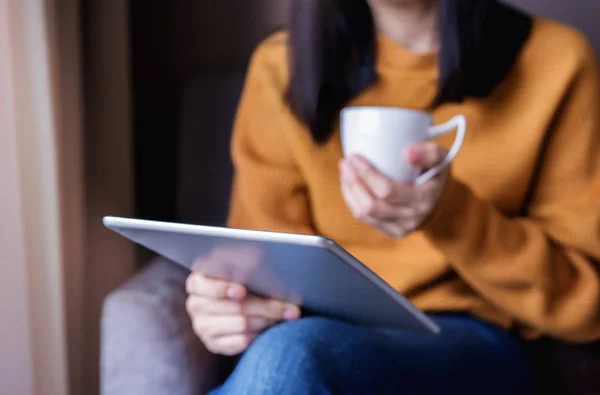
302,339
288,358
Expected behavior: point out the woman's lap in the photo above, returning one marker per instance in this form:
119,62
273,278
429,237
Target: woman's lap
322,356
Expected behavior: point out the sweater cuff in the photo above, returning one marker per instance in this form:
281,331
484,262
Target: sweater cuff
447,221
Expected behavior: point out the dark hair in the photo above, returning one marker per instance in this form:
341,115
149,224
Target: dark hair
333,51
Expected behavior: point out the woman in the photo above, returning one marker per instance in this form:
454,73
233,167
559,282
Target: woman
505,241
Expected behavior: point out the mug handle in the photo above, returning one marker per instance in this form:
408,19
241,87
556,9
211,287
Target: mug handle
459,123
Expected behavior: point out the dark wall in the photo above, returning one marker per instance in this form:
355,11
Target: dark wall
172,41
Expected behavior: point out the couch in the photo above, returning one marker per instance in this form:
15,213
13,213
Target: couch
147,344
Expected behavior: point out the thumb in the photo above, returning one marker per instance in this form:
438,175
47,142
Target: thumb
425,155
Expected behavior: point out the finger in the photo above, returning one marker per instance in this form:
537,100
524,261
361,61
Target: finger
374,211
348,178
348,173
364,201
252,305
199,285
368,207
396,193
350,199
208,306
355,186
404,195
394,230
364,206
378,184
219,325
230,345
270,309
425,155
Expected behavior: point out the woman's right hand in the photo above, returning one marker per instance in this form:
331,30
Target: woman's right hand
227,318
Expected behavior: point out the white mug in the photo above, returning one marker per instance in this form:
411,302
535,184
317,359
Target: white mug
382,134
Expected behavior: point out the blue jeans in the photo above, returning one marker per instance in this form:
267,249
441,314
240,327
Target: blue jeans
321,356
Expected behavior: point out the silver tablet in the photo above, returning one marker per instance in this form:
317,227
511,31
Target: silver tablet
310,271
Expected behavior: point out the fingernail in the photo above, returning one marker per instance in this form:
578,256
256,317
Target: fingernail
235,291
291,313
345,170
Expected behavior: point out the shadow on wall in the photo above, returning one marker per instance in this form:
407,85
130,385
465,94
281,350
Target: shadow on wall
171,43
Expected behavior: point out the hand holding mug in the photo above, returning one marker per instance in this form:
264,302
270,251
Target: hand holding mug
394,172
396,208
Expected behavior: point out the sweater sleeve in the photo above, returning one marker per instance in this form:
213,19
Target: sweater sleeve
541,269
269,192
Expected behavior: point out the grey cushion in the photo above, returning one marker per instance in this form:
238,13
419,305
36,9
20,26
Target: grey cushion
148,345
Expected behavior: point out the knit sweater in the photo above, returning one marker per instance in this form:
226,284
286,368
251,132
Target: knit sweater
515,236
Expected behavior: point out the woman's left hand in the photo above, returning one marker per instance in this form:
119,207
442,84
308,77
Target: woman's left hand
395,208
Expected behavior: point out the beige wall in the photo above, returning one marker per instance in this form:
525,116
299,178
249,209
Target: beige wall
16,364
56,182
32,301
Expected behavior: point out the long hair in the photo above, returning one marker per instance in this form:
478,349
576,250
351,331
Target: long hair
333,52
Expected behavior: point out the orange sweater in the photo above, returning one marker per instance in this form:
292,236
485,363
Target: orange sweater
514,236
